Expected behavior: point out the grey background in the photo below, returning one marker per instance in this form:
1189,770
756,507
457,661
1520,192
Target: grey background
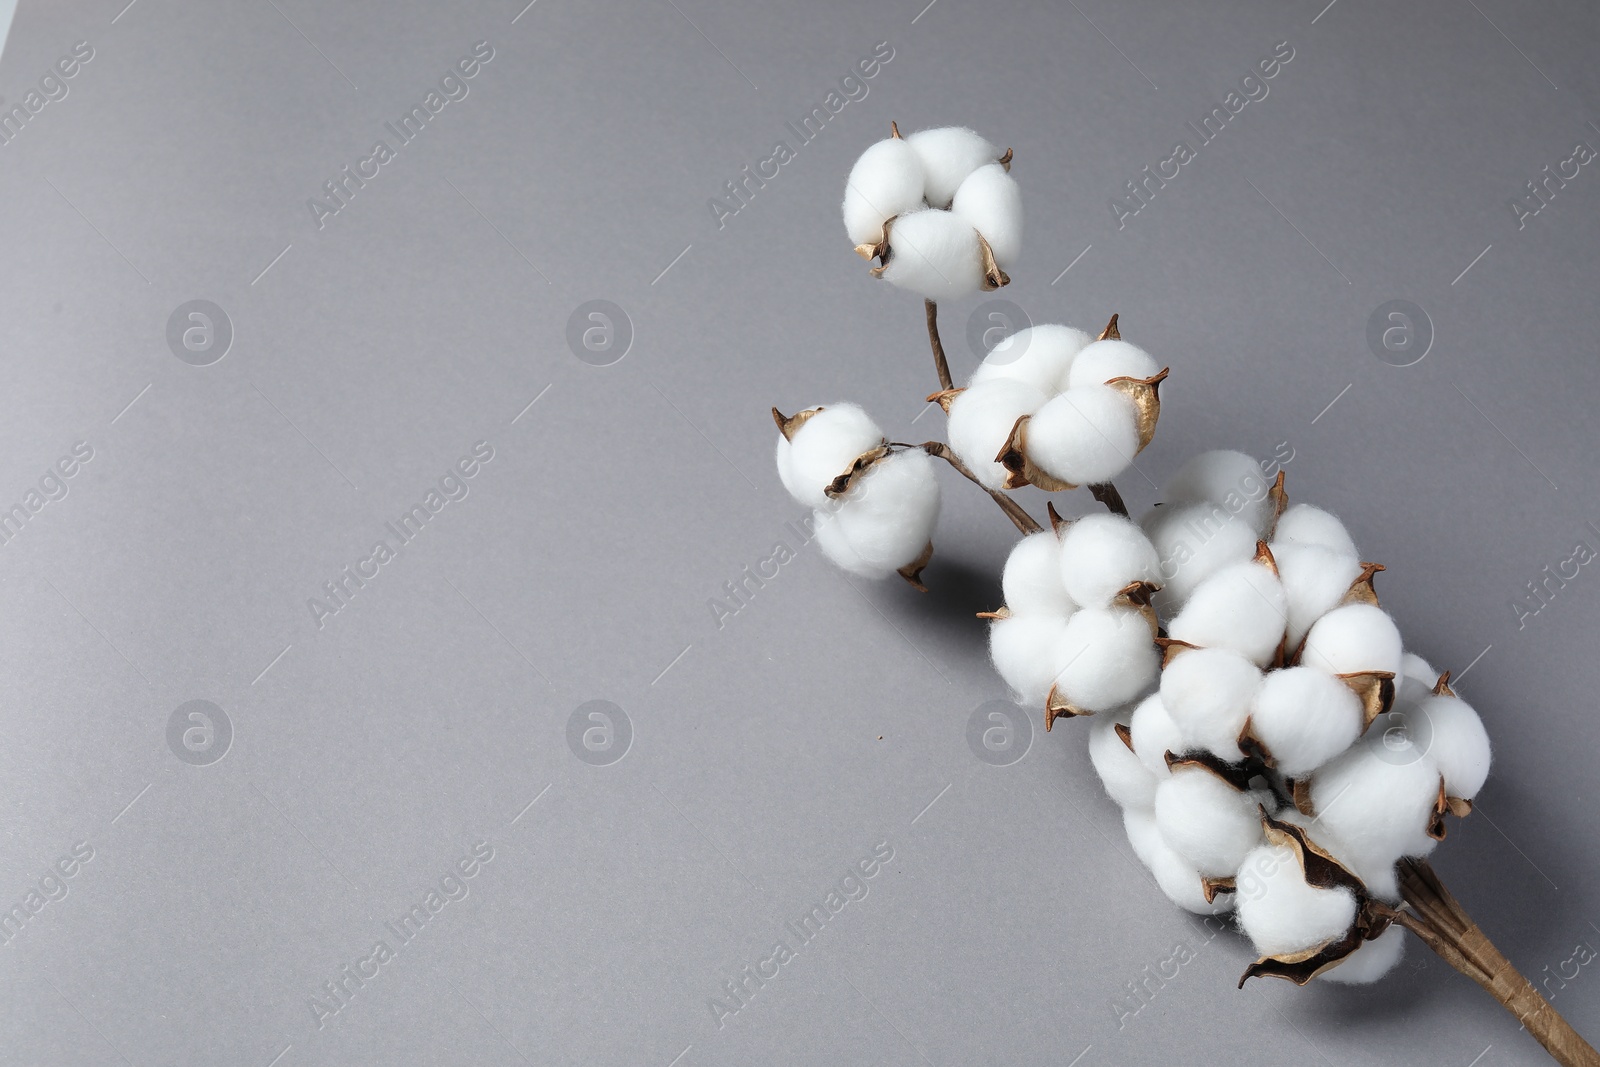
827,714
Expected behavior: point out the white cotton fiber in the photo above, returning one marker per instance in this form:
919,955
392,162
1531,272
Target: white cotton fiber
935,255
886,181
1381,878
991,203
1457,742
1371,961
1416,682
836,546
1303,524
1106,657
1101,361
1127,781
1205,820
1085,436
1176,878
1023,650
1230,479
1242,606
889,513
1040,355
948,155
823,448
1353,638
1315,578
1377,799
1154,734
1280,912
1102,554
981,418
1208,693
1304,716
1194,541
1031,582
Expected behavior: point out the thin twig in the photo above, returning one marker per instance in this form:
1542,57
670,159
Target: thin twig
940,364
1107,494
1024,522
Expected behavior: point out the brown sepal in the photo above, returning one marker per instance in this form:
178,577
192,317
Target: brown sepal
912,572
999,613
1057,707
1459,806
879,251
1280,503
1361,590
1375,689
841,485
944,398
1111,333
1212,886
993,276
789,425
894,129
1057,523
1252,746
1124,732
1005,161
1146,396
1264,557
1235,774
1020,470
1170,649
1300,792
1137,593
1441,688
1301,967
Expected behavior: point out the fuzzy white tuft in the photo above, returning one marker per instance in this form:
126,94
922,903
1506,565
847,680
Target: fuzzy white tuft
1416,682
1315,578
1022,649
1154,734
886,181
1457,742
1352,638
1280,912
991,203
1376,799
1205,820
1242,607
1176,878
1040,355
887,517
1031,582
1208,693
823,448
1193,542
1102,554
1127,781
948,155
935,255
1102,361
1231,479
1085,436
981,417
1302,524
1305,717
1106,657
1371,961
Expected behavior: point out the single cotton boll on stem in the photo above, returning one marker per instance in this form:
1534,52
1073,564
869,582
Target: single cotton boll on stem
823,448
1302,524
935,255
1040,355
1354,638
1208,693
1193,542
889,513
948,155
1102,361
1106,657
1315,579
1456,741
1154,734
1023,651
1304,717
1205,820
1230,479
1280,912
1127,781
1031,582
886,181
1177,879
1377,799
1103,554
1371,961
1085,436
1242,607
981,417
991,203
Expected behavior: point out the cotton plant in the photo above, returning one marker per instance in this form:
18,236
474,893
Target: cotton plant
1277,753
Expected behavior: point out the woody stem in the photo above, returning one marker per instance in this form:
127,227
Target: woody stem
1023,521
940,365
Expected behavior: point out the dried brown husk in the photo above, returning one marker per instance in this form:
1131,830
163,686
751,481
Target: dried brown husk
912,572
1280,503
1171,648
1441,688
1111,333
1057,706
1020,470
1237,775
1361,590
858,466
1375,690
1005,161
999,613
1057,523
1264,557
789,425
993,276
1212,886
1125,732
1300,792
944,398
1146,396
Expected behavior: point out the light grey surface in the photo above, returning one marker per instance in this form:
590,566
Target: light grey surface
827,715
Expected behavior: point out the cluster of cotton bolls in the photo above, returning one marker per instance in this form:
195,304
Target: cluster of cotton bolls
938,209
874,505
1049,406
1293,753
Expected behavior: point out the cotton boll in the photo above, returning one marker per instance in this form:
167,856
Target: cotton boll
981,418
1208,693
1416,682
1302,524
1101,361
1085,436
1194,541
1154,734
1205,820
823,448
935,255
1127,781
1023,651
949,154
1280,912
1457,742
1315,578
889,513
1040,355
1031,581
1103,554
1175,877
1242,607
886,181
836,546
991,203
1371,961
1106,657
1353,638
1304,716
1376,799
1231,479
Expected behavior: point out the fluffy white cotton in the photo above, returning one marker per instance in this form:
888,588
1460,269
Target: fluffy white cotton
1023,650
1457,742
1194,541
981,418
889,513
1127,781
1177,878
823,448
1231,479
1031,582
1304,716
1041,356
1416,682
991,203
1371,961
1376,800
948,155
935,255
1208,692
1102,554
1085,436
1315,578
1106,657
1302,524
1101,361
1352,638
1242,606
836,546
1154,735
1380,877
886,181
1206,821
1280,912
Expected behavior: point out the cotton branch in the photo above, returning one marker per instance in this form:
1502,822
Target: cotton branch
1024,522
940,364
